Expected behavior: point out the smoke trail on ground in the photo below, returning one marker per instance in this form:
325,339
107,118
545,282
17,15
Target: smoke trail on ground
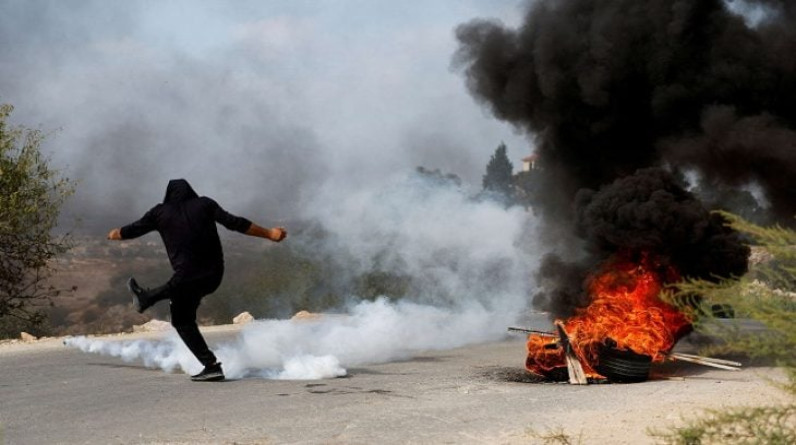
373,332
168,354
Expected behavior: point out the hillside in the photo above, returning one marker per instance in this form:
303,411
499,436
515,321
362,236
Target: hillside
93,274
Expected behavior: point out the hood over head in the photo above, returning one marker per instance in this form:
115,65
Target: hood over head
178,191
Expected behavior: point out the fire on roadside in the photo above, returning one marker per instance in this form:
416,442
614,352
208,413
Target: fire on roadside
625,313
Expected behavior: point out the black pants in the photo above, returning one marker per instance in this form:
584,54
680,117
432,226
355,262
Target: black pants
185,295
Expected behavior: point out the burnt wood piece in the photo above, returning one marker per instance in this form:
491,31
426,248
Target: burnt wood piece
575,370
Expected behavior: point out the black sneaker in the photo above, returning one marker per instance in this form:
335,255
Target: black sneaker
140,302
211,373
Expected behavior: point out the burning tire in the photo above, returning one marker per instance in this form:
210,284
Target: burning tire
624,366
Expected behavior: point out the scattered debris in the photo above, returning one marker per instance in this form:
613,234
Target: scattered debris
759,255
153,326
243,318
306,315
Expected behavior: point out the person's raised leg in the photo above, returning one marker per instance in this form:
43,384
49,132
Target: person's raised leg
143,299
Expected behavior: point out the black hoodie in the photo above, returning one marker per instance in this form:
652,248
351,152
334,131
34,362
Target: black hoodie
187,225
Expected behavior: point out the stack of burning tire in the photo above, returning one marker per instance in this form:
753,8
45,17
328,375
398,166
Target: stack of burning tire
623,366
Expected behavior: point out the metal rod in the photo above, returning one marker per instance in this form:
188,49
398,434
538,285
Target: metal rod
532,331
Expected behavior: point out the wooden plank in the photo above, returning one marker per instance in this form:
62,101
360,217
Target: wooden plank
707,359
704,361
574,368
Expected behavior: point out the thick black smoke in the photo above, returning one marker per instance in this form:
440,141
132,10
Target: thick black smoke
648,211
608,87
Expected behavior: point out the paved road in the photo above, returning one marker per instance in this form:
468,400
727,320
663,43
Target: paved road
52,394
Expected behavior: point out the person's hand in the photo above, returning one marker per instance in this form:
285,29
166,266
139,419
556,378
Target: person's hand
115,234
277,234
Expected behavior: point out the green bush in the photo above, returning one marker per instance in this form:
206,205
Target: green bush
31,195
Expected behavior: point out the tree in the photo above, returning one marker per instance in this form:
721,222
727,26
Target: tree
436,177
31,196
498,177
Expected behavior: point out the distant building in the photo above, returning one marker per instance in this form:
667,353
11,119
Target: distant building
530,162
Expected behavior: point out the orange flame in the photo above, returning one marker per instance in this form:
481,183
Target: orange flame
625,312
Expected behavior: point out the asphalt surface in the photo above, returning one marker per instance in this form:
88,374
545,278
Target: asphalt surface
477,394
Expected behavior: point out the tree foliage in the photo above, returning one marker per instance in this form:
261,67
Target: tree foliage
766,295
31,195
499,178
439,178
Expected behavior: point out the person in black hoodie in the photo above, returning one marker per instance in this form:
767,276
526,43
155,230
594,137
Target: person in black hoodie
187,224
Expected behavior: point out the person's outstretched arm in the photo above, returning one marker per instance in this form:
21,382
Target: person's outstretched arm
244,225
275,234
133,230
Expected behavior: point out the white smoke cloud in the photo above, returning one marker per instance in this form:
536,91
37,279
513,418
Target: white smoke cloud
459,249
168,354
753,13
373,332
254,104
471,261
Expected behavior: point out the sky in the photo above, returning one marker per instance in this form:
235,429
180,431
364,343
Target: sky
259,104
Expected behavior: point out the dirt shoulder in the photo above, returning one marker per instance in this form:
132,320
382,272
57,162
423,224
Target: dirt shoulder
44,344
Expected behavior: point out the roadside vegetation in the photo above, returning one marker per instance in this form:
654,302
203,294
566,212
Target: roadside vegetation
767,295
31,196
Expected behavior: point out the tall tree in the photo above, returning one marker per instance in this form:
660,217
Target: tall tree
31,195
498,177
